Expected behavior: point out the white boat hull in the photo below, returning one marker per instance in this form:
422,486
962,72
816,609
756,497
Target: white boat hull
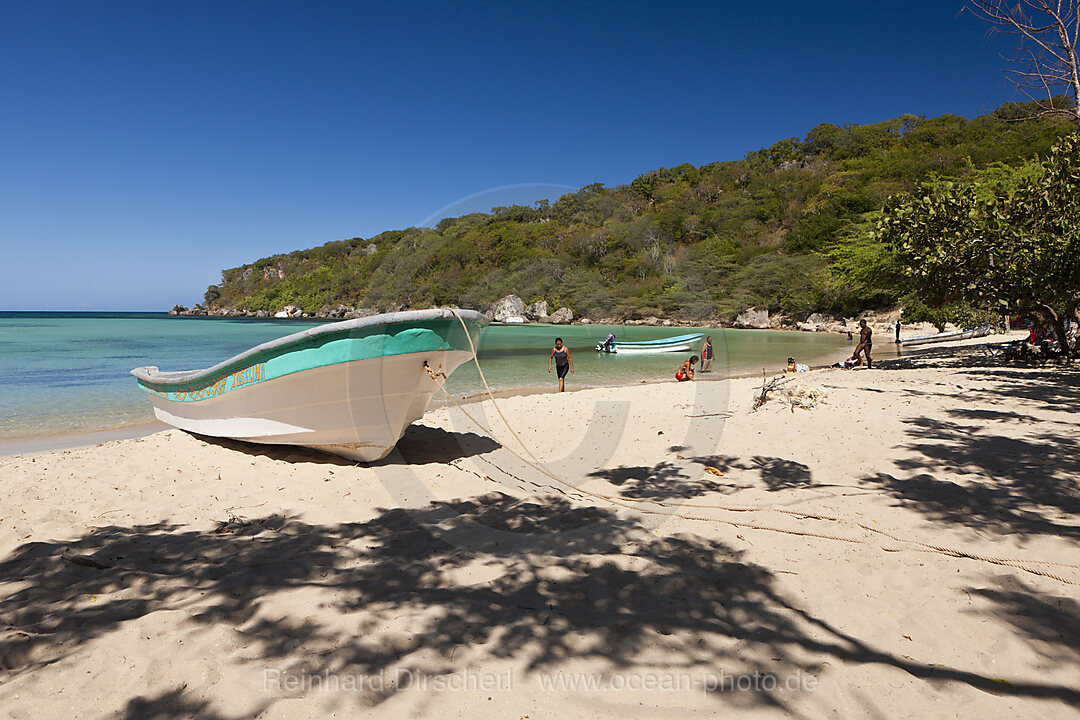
946,337
624,350
356,409
675,343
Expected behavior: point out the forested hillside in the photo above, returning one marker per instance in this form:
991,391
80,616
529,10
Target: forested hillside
787,228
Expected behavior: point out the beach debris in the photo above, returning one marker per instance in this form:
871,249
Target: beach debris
794,396
234,523
714,471
803,398
84,560
768,386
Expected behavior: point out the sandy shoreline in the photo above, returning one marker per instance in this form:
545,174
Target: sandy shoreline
169,575
125,432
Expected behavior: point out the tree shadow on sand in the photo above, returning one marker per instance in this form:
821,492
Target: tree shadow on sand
663,481
173,704
1050,624
1052,386
1016,472
775,473
1006,484
991,355
540,581
668,481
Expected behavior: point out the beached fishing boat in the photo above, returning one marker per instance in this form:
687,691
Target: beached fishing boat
348,388
679,343
942,337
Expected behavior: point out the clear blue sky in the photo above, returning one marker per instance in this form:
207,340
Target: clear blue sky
145,146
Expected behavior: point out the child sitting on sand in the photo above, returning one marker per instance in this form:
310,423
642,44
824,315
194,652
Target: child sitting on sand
686,370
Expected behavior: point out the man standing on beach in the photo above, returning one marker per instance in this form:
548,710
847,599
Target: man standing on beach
865,342
707,355
897,332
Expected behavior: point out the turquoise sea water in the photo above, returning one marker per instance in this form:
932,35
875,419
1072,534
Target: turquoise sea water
66,373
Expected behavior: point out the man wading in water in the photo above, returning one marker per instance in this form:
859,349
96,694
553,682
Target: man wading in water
707,355
561,355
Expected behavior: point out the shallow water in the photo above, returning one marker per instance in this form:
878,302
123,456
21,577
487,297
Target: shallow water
65,373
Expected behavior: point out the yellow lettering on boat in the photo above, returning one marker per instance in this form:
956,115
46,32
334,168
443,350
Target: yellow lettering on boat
238,379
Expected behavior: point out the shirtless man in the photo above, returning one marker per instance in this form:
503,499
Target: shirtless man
865,342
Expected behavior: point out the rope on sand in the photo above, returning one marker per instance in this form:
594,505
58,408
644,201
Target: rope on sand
677,509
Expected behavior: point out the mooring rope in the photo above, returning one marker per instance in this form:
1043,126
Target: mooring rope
676,509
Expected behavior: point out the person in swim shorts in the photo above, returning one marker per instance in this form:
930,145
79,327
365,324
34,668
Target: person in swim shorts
707,355
563,363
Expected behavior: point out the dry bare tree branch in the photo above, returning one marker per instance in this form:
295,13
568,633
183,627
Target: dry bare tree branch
1046,57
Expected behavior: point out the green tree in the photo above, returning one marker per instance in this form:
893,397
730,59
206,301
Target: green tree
1013,250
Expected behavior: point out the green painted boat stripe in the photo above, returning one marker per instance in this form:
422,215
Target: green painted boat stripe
316,351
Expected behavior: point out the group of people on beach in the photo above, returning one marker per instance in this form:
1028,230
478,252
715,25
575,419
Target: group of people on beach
686,370
560,355
866,344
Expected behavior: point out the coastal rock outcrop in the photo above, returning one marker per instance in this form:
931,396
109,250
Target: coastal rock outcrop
178,310
334,313
780,321
289,311
538,311
752,318
562,316
819,322
508,309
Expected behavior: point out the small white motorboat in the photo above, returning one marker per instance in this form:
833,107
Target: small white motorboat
348,388
945,336
679,343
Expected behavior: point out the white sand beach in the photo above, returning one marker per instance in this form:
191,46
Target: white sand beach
177,576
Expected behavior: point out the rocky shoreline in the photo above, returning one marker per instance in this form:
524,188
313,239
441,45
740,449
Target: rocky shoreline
512,309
